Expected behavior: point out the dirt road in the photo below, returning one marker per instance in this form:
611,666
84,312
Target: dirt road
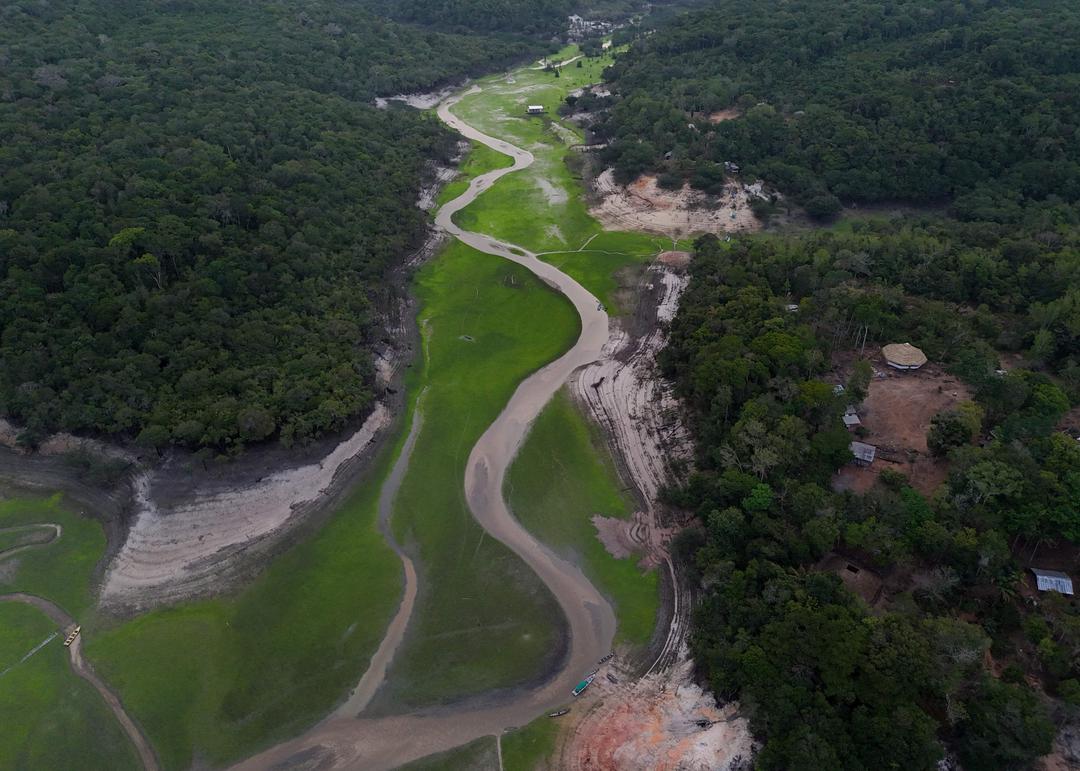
82,668
342,741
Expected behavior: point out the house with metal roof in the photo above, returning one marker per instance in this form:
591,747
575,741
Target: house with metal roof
1052,581
851,418
864,453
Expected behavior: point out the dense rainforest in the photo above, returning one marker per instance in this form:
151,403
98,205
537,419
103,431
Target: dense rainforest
834,102
956,652
519,17
197,203
971,110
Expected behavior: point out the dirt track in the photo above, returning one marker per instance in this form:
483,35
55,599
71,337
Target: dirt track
348,742
83,669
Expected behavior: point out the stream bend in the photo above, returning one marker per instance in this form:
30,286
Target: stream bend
344,741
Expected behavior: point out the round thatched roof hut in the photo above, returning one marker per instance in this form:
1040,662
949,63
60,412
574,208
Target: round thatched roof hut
903,356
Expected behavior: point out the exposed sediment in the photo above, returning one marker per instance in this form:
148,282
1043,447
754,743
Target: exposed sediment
187,548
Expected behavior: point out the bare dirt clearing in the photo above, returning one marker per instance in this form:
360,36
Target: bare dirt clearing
645,206
722,115
896,417
662,721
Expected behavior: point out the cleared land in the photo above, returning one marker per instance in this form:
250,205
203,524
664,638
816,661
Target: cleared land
896,417
561,479
645,206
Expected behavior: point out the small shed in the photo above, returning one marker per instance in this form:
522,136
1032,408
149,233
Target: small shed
1052,581
851,418
903,356
535,109
864,453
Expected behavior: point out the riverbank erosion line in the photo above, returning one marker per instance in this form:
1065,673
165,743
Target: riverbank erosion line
342,741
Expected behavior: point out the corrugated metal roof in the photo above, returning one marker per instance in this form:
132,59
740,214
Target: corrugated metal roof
1052,581
863,452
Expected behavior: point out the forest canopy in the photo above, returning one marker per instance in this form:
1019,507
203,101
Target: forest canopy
840,101
197,204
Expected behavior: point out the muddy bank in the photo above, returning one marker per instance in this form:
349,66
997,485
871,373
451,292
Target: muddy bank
661,721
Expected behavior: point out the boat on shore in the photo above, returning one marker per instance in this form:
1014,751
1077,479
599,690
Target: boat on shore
580,687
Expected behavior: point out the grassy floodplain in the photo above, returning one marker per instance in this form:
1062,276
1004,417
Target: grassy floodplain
50,718
211,681
560,479
483,619
541,208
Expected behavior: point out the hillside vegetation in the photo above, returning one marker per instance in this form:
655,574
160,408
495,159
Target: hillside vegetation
969,104
197,206
828,682
973,103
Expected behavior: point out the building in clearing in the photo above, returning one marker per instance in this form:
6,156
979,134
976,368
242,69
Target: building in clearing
864,453
903,356
535,109
1052,581
851,418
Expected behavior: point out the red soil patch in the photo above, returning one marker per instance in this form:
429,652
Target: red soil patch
675,259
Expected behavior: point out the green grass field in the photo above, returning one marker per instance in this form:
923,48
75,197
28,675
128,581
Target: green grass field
61,570
528,747
562,477
478,755
483,619
479,160
541,207
213,680
49,718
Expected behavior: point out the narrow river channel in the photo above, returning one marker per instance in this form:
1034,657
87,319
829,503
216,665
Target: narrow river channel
347,740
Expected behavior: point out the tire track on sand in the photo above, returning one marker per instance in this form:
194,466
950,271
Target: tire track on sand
343,742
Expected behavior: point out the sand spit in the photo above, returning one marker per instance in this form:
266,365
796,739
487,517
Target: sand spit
645,206
178,550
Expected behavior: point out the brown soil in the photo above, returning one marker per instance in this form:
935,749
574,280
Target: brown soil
722,115
896,417
674,259
645,206
662,721
638,535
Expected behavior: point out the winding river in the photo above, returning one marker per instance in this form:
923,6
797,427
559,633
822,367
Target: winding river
347,739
